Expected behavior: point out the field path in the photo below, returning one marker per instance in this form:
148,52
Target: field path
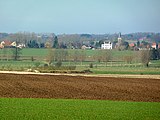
88,75
36,85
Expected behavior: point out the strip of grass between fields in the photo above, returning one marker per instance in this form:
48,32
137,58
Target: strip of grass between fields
128,72
49,109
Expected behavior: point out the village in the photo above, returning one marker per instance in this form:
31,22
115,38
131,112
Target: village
46,41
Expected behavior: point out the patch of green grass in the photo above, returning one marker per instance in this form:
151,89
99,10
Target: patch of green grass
44,52
127,70
34,52
18,65
49,109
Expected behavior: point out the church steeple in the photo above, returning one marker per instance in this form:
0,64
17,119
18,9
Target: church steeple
119,39
119,35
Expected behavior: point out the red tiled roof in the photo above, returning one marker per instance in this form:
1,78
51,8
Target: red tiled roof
154,44
7,43
131,44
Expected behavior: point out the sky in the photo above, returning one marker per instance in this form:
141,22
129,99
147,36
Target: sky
79,16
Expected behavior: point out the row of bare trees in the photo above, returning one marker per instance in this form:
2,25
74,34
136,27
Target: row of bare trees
105,56
99,56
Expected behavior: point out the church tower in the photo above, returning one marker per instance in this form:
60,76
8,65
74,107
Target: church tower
119,39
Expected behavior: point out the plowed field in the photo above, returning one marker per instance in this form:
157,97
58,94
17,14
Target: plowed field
79,87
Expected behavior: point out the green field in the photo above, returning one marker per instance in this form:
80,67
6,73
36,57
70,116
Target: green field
49,109
18,65
32,58
44,52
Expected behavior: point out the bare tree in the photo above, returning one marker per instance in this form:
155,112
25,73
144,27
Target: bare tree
75,55
79,55
106,55
82,56
145,56
98,56
128,59
50,56
60,54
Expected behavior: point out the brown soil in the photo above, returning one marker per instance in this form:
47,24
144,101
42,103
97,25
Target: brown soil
79,87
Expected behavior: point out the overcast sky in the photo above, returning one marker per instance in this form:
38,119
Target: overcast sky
80,16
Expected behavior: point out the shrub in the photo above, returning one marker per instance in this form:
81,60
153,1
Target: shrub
91,65
21,68
45,65
58,64
3,67
32,58
37,64
86,71
72,67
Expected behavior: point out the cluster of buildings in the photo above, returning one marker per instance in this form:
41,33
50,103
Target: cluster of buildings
155,45
134,46
152,45
109,45
9,44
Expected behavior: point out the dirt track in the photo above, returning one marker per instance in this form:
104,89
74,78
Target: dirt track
79,87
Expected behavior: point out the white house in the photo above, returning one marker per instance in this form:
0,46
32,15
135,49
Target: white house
154,45
21,46
106,45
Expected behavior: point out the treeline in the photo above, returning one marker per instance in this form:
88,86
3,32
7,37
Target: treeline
41,40
77,55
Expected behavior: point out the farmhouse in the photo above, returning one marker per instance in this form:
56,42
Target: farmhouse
84,47
154,45
2,44
21,46
106,45
7,43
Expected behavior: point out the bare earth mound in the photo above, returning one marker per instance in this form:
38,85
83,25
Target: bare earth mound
79,87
